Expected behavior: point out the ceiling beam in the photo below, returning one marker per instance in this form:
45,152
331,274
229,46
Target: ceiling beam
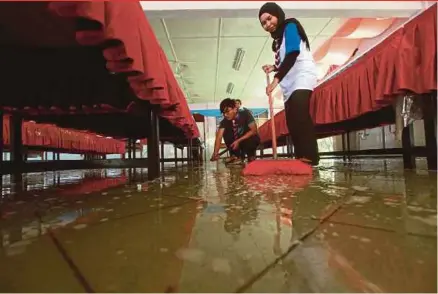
299,9
218,47
177,63
256,64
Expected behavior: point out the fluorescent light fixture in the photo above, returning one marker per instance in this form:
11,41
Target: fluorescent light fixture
240,53
230,88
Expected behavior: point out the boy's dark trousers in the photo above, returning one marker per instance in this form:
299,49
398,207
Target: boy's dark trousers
247,147
229,139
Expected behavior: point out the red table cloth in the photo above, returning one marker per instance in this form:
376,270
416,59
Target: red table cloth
73,141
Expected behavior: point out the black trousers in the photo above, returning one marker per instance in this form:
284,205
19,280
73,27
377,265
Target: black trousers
301,127
229,139
247,147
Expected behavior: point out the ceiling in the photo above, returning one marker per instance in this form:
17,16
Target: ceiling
201,53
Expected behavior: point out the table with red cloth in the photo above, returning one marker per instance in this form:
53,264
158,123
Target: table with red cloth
71,141
129,48
138,52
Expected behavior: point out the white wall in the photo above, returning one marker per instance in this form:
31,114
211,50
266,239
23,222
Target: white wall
373,140
210,132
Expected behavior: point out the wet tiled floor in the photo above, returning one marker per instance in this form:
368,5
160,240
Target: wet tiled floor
365,227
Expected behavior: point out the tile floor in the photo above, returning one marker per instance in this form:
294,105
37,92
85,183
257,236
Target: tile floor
365,227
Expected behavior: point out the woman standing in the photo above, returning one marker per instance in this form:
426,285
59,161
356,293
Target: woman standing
296,73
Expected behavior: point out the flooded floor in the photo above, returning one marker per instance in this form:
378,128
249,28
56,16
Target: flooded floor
365,227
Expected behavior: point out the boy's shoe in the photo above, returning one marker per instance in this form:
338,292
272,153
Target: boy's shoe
251,158
237,162
309,162
231,159
234,161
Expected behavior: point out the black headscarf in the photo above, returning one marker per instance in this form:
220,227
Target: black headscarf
275,10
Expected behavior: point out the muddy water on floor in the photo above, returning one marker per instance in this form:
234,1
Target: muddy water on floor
371,227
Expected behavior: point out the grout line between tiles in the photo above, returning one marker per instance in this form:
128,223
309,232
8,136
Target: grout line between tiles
67,258
296,243
144,212
380,229
76,271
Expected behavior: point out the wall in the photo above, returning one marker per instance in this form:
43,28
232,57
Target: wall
210,132
373,139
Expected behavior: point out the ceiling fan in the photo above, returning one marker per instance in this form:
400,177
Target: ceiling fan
184,82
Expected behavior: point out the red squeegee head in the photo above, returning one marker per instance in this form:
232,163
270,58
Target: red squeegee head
276,167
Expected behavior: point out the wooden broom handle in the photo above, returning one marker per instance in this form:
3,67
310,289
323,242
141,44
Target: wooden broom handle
271,111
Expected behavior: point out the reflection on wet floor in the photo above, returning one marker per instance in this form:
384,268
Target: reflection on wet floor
365,227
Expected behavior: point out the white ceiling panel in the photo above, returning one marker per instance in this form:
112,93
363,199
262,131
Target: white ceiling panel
331,28
221,91
206,70
228,50
165,45
242,27
193,28
200,87
204,94
255,88
313,26
201,99
198,50
237,79
158,28
317,42
267,55
173,65
200,71
256,79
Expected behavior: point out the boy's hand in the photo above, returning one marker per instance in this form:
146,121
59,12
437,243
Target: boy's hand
235,145
214,157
